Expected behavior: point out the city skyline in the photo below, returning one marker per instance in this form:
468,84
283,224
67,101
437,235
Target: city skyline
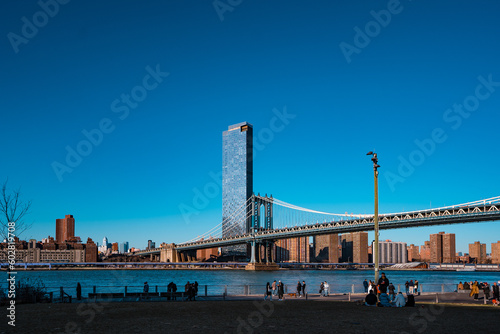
118,123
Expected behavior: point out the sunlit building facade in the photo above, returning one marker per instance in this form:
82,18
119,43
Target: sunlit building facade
237,182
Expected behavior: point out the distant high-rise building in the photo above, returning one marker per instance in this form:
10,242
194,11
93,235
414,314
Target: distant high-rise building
436,247
449,254
105,245
442,247
477,252
495,252
413,253
292,250
124,247
151,244
114,247
90,251
354,247
65,228
392,252
425,252
326,248
237,182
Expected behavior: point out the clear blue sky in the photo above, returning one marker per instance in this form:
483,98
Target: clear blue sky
380,89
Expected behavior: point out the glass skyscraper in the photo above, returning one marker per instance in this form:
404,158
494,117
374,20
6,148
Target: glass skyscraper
237,182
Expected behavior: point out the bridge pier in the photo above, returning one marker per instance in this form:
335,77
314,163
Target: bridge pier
252,251
168,253
257,264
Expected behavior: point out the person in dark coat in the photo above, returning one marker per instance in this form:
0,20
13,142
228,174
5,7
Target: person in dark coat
391,289
187,290
486,290
383,283
281,290
304,288
371,299
299,288
78,291
195,285
192,292
411,301
268,292
495,289
365,285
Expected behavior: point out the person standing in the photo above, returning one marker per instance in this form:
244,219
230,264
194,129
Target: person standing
411,287
304,288
299,287
391,289
486,291
146,289
370,286
321,288
383,283
273,287
78,291
326,289
187,291
268,292
281,290
195,286
496,294
474,291
415,287
365,285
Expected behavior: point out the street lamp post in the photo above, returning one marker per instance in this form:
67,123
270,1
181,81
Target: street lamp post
375,216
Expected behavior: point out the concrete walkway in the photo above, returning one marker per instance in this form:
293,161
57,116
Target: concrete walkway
450,297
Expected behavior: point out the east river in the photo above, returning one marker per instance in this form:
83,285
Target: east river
234,281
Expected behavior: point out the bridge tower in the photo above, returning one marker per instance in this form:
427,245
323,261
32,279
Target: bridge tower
256,261
257,203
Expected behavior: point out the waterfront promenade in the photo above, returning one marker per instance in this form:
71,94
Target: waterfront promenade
251,314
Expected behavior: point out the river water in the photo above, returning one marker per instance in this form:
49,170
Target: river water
234,281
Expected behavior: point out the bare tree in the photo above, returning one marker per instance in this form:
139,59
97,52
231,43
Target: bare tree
12,209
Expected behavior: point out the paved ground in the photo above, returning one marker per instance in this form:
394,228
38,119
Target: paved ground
253,315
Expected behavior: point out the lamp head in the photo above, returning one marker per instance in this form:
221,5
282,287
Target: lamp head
369,153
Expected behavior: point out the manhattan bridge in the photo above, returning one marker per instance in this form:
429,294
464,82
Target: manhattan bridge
270,219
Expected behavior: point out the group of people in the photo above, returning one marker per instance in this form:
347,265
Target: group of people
411,287
278,288
324,289
475,286
275,289
191,290
383,294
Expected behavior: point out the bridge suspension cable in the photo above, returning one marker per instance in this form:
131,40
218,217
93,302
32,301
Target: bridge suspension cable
229,224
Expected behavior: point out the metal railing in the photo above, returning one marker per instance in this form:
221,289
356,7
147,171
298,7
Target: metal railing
233,290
